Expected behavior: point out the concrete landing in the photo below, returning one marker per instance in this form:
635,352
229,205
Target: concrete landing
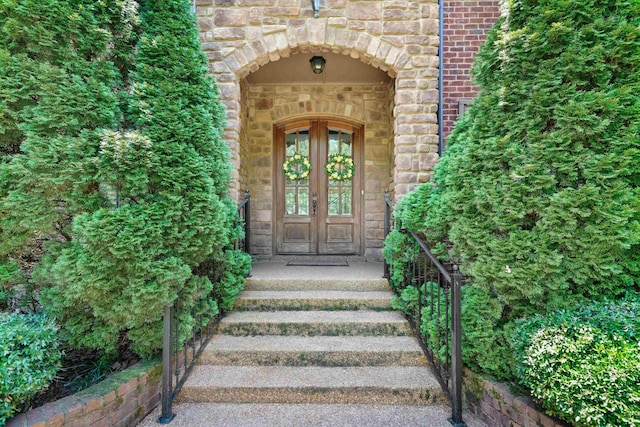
359,276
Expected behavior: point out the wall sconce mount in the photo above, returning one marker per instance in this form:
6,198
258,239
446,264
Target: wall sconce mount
317,64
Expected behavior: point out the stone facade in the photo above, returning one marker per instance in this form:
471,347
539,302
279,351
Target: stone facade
399,37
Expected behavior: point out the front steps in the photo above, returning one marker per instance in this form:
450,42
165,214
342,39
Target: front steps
331,339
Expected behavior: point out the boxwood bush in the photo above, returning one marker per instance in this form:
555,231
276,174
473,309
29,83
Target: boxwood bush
584,364
29,358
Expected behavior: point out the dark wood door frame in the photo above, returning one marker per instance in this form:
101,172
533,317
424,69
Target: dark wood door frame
319,227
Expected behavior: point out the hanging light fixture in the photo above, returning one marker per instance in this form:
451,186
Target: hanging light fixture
316,7
317,64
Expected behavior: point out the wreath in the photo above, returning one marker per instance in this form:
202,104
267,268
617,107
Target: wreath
296,167
340,168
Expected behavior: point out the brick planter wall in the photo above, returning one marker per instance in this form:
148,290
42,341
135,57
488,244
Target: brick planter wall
123,399
494,404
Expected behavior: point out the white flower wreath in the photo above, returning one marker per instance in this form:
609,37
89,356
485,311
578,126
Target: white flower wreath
296,167
340,168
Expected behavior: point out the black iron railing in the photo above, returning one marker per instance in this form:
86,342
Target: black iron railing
436,319
245,218
179,356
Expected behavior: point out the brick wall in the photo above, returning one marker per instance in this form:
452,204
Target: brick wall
123,399
466,24
494,404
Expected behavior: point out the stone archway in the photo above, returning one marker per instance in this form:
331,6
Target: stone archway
241,36
401,38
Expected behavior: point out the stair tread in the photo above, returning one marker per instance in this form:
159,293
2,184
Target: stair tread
317,294
346,284
222,376
310,415
319,316
279,343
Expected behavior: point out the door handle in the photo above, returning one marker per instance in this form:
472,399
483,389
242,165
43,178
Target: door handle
314,203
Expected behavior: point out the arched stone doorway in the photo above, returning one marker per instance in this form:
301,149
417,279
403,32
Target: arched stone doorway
399,38
358,106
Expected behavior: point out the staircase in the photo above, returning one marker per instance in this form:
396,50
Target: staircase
325,350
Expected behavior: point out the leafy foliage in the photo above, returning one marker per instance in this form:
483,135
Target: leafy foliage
484,336
229,277
399,250
112,156
584,364
539,188
29,358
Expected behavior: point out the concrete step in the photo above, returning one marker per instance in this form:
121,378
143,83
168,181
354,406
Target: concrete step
308,415
398,385
311,323
313,351
314,300
316,283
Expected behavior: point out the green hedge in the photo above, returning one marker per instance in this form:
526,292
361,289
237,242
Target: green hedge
584,364
538,189
29,359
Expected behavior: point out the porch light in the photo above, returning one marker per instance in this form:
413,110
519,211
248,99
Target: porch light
316,7
317,64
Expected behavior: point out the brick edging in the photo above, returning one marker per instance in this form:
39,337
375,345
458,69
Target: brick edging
122,399
494,404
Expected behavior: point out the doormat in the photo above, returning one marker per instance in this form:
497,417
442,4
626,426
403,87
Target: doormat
312,261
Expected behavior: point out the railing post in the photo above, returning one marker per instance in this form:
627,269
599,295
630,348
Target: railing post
387,229
167,414
456,353
247,219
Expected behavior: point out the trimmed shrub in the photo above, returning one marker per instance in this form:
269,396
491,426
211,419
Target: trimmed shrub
166,185
484,342
584,364
399,249
229,276
29,359
538,189
112,160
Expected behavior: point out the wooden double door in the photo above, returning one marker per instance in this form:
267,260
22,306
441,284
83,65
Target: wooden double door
317,214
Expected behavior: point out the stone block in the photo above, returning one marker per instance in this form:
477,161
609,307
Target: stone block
364,10
230,17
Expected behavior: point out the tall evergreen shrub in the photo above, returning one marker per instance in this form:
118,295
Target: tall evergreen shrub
539,189
56,91
115,160
167,182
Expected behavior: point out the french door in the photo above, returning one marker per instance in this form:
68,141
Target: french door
318,212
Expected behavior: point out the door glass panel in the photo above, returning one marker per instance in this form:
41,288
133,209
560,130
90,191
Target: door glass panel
339,192
297,191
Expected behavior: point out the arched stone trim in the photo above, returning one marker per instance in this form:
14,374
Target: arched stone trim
300,109
399,37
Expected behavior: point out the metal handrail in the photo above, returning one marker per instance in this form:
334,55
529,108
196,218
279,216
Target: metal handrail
179,359
423,271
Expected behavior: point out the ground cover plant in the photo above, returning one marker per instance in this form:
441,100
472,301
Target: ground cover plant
584,364
29,358
113,172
